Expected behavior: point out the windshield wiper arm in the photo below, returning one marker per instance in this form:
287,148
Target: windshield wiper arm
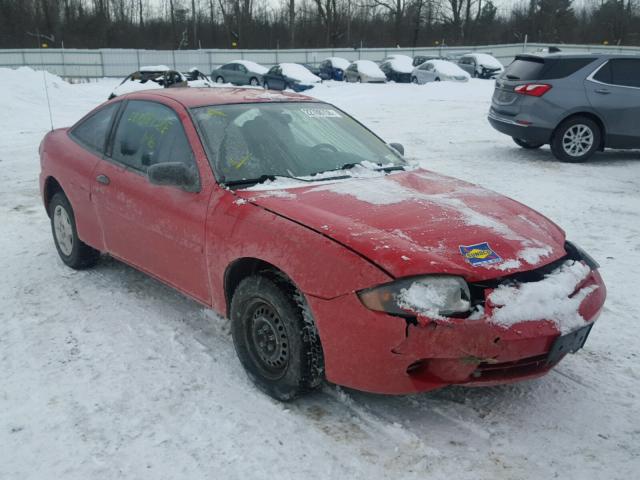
391,168
249,181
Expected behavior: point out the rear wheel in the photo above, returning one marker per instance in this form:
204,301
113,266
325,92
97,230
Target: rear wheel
576,139
359,80
219,80
275,337
414,80
524,144
254,82
73,251
437,79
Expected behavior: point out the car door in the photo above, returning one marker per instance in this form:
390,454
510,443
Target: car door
242,75
159,229
465,63
276,80
428,72
614,92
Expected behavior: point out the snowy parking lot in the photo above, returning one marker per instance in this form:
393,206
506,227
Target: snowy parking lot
106,373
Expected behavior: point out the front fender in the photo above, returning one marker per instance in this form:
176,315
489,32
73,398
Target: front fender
319,266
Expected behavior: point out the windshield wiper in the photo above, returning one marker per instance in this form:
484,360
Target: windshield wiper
391,168
250,181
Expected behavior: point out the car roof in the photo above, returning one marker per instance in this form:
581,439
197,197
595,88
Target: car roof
192,97
561,55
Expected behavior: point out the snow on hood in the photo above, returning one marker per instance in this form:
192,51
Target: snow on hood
338,62
298,72
401,64
369,68
448,68
552,299
412,223
252,66
487,60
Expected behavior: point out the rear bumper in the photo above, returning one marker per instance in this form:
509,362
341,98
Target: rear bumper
380,353
509,126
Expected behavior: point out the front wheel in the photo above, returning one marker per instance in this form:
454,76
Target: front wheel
359,80
219,80
275,336
576,139
414,80
73,251
524,144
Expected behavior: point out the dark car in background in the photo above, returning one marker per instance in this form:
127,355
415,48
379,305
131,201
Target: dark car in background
150,78
333,68
290,75
420,59
313,69
239,72
577,103
397,68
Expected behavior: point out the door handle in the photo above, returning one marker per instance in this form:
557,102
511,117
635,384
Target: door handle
103,179
603,91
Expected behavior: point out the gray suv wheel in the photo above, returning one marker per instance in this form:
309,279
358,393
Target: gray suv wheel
576,139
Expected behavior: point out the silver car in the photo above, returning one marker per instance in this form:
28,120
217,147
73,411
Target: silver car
437,70
577,103
480,65
364,71
239,72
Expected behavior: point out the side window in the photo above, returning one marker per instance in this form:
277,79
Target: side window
242,69
273,70
150,133
93,131
625,72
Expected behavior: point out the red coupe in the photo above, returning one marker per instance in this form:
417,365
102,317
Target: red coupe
332,256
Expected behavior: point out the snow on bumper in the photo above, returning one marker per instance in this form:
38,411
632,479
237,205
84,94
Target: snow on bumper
381,353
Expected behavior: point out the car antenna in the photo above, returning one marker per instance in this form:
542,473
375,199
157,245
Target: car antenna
46,89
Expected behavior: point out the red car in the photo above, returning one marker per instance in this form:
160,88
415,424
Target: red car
332,256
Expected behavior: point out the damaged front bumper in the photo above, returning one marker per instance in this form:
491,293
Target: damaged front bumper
380,353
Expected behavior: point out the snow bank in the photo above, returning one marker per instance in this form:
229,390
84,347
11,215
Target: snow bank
338,62
252,66
298,72
548,299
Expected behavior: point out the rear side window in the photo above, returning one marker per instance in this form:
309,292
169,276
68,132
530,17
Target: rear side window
93,131
541,69
150,133
620,71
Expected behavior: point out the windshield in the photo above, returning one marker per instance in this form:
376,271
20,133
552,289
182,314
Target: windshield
252,140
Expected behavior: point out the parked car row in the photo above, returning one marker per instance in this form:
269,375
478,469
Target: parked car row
299,77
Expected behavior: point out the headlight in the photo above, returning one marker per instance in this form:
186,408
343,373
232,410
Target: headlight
431,296
576,253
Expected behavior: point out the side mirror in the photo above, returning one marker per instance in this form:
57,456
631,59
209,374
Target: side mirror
174,174
397,147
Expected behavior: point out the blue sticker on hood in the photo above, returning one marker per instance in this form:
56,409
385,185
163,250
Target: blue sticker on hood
479,254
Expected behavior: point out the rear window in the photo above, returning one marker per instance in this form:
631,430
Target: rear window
545,69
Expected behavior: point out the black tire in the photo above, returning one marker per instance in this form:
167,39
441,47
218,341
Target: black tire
414,80
254,81
358,80
80,255
275,337
219,79
437,79
524,144
561,147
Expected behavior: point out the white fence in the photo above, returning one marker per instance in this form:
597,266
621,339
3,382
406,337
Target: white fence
74,63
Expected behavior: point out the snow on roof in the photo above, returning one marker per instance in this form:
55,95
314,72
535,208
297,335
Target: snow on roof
487,60
401,63
131,85
298,72
447,68
252,66
155,68
339,62
369,68
552,299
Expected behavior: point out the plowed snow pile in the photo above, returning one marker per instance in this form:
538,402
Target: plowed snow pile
107,374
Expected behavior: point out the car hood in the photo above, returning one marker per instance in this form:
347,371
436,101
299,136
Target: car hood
419,222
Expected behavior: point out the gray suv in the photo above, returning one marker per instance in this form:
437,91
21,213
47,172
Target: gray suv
577,103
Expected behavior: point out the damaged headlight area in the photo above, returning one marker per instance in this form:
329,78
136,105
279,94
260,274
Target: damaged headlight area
435,296
576,253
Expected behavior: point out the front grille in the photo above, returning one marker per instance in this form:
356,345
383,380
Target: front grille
495,371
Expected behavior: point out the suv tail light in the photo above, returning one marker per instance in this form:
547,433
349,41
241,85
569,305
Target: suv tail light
533,89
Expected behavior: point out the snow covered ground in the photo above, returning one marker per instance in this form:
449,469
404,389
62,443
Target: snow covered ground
106,373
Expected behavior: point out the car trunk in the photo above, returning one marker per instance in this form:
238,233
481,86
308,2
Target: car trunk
522,70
